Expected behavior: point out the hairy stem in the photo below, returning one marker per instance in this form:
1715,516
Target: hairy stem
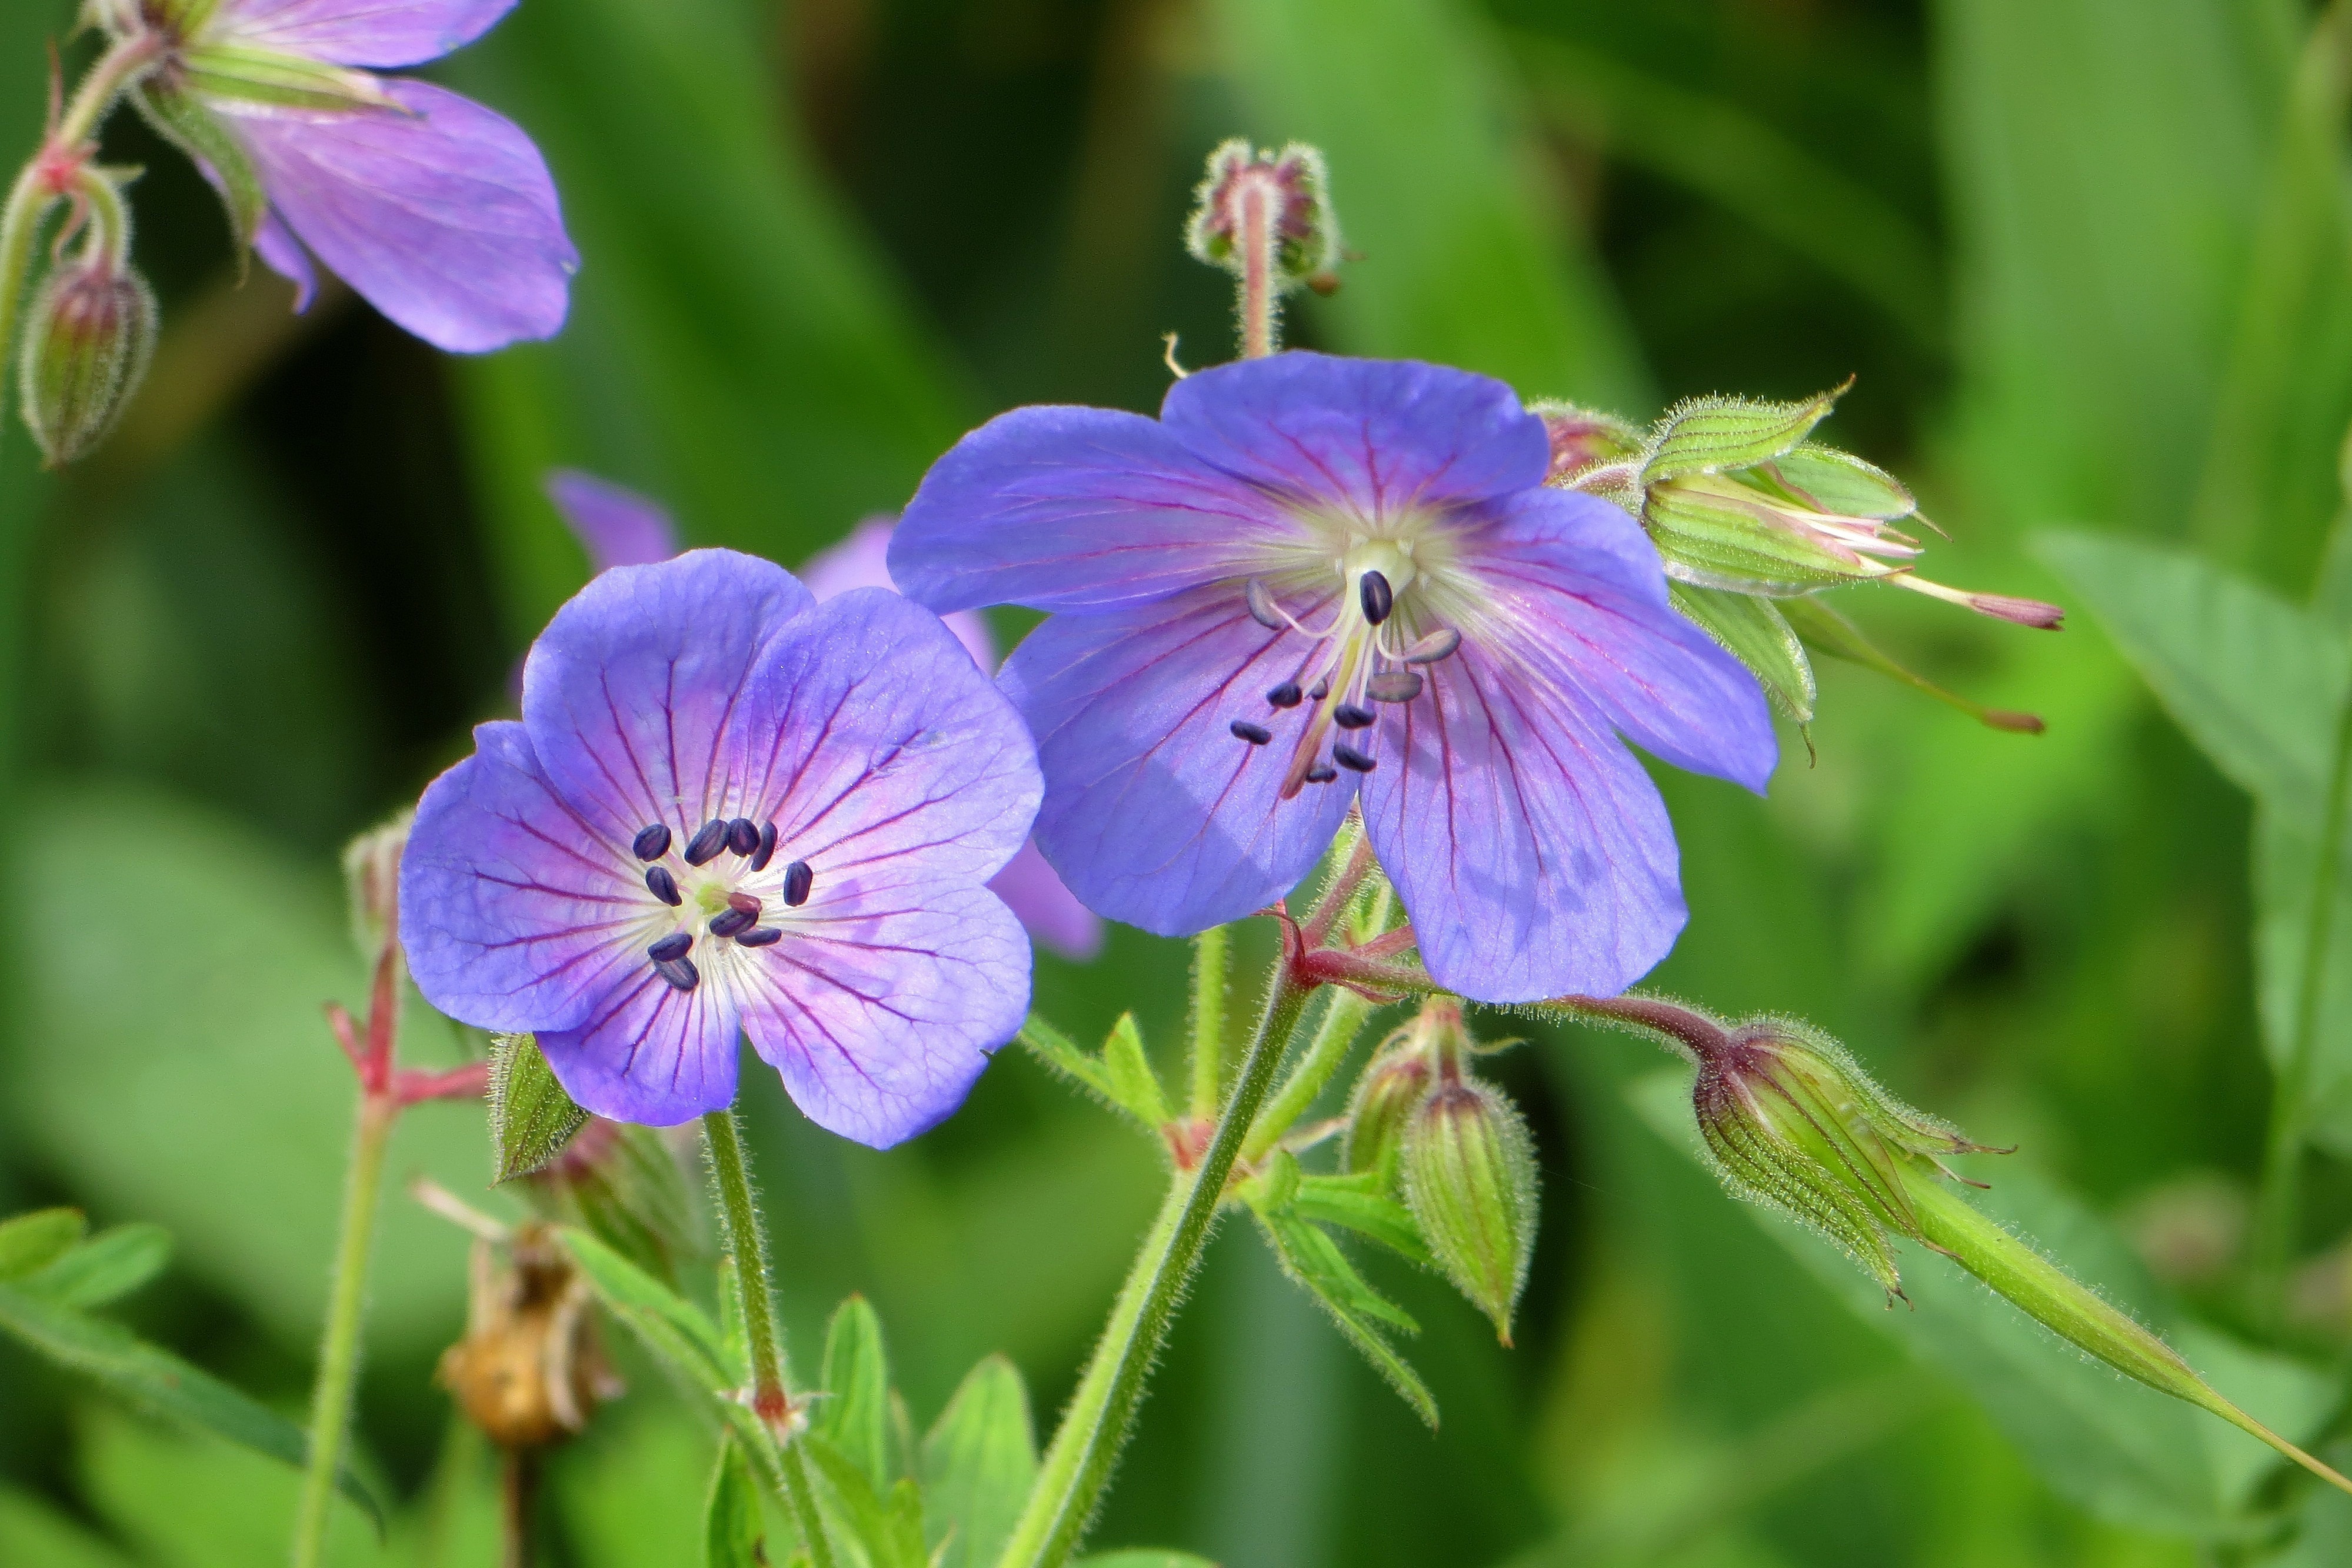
1343,1019
1210,968
339,1353
1085,1446
20,231
1259,307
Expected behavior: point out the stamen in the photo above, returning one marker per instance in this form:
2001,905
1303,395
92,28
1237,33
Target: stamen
747,902
1264,609
680,972
1255,734
767,850
760,937
727,923
1318,691
1396,686
1347,716
1321,773
675,946
743,836
651,843
1353,760
663,885
1377,596
704,845
1437,645
1287,694
798,879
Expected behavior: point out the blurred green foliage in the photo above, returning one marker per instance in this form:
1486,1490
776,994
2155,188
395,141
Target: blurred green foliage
2091,262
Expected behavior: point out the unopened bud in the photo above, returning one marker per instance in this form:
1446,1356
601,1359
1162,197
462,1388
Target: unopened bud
1385,1098
1469,1174
371,882
1583,439
1294,188
87,338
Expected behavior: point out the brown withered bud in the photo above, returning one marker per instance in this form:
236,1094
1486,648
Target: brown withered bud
531,1370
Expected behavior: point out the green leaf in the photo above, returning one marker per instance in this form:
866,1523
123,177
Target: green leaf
678,1332
2287,862
1055,1049
1753,631
1360,1203
157,1382
106,1268
979,1460
30,1242
855,1508
1132,1082
531,1118
1714,435
855,1414
1144,1557
734,1530
1314,1260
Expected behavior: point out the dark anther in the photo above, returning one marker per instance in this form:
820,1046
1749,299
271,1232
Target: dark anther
1396,686
677,944
728,922
1378,596
680,972
798,879
664,886
767,850
1437,645
745,902
758,937
1255,734
1263,609
1347,716
651,843
1321,773
1318,691
705,843
1287,694
1353,760
743,836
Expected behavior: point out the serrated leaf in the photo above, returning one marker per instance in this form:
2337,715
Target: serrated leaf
156,1383
1055,1049
1833,481
979,1460
531,1117
855,1414
734,1531
181,119
106,1268
1359,1203
1712,434
1313,1260
30,1242
1752,630
1133,1084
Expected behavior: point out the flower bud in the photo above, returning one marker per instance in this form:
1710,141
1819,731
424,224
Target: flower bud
1469,1174
1383,1105
1583,439
1303,230
87,338
371,882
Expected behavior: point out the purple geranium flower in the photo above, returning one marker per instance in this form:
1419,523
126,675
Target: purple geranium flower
1315,580
438,211
621,527
726,807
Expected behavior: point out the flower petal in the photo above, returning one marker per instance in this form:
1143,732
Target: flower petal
1528,846
1076,508
284,255
1570,582
1043,903
878,740
515,912
1155,814
444,218
377,33
863,560
651,1053
1377,435
881,1006
633,693
617,527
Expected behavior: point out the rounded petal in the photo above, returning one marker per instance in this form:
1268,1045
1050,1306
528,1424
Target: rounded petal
1377,435
881,1006
635,694
1155,814
650,1053
359,32
1570,582
443,218
1070,508
515,914
878,741
617,527
284,255
1043,903
863,560
1530,848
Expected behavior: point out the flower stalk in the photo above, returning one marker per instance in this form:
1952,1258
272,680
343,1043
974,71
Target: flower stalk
339,1352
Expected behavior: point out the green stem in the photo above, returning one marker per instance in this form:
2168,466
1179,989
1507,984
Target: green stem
20,232
1343,1019
122,65
1260,304
747,1252
1079,1464
1210,968
338,1354
2277,1203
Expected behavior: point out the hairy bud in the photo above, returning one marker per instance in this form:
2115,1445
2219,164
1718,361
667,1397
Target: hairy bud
371,882
1382,1104
1469,1174
1301,229
1583,439
87,338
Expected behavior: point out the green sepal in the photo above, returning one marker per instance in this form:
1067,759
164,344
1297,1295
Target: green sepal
1314,1260
734,1530
855,1414
632,1197
531,1118
1714,435
1710,535
1752,630
979,1461
181,119
184,18
33,1241
1826,631
1469,1174
244,74
1133,1084
102,1270
1828,480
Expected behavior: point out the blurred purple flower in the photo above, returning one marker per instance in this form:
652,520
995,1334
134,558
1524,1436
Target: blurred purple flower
621,527
1358,557
437,210
727,807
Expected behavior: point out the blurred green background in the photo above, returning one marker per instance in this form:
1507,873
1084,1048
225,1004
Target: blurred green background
2088,259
